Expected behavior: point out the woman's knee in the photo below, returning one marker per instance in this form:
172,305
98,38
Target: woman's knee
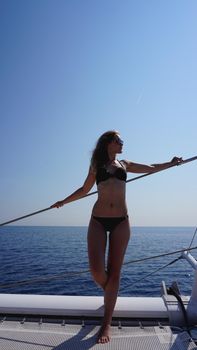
114,278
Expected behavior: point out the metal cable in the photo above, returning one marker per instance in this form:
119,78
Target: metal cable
70,274
90,194
159,256
152,273
42,279
193,238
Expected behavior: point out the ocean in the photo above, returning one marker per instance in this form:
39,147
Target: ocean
53,260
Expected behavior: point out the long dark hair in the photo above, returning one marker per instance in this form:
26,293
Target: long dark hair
100,155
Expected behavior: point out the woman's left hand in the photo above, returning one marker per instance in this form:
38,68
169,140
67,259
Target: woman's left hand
58,204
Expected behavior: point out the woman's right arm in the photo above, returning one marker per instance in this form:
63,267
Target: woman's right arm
80,192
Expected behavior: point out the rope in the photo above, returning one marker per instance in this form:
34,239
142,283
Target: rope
172,291
152,273
159,256
65,274
42,279
92,193
192,238
24,216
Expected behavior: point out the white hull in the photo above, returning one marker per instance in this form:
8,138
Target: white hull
87,306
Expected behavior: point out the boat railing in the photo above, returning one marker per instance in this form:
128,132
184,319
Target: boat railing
192,305
182,310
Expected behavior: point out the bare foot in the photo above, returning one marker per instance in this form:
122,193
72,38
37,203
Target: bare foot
104,334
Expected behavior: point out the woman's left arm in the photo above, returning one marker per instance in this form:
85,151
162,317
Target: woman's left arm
143,168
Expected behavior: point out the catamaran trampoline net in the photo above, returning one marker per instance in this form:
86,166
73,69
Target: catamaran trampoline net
35,336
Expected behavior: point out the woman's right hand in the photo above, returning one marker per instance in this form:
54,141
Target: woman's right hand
176,160
58,204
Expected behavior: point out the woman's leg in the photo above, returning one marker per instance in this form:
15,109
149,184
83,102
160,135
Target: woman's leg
97,239
118,241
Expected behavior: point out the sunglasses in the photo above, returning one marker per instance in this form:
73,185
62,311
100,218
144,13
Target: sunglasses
119,141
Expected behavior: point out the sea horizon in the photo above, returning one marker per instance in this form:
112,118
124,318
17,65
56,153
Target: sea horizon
30,253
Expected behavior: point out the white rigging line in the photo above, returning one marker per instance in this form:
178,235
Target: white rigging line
72,274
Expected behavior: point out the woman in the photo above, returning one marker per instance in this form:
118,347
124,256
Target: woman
109,214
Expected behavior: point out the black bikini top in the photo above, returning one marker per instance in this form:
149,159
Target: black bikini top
103,174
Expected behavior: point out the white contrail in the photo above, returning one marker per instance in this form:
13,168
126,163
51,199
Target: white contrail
140,97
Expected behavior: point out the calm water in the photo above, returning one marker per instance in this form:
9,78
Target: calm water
32,252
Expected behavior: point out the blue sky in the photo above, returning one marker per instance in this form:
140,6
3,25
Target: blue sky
71,70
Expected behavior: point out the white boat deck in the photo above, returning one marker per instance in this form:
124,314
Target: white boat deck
36,335
30,322
44,322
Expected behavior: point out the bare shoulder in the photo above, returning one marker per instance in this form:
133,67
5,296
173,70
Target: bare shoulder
89,181
92,171
91,174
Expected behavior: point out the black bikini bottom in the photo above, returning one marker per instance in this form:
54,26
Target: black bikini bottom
110,223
